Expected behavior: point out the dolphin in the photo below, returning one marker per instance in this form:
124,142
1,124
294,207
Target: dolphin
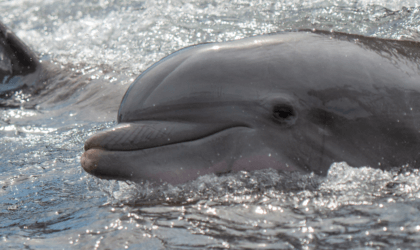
23,73
296,101
20,68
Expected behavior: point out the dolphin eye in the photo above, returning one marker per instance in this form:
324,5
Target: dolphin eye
284,114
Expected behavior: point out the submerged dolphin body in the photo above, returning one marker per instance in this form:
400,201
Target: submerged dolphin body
292,101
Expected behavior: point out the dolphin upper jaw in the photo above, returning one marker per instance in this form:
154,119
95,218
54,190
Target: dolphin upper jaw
149,134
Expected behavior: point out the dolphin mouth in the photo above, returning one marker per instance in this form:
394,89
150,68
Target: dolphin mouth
143,136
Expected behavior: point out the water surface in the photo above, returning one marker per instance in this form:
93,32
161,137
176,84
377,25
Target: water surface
99,47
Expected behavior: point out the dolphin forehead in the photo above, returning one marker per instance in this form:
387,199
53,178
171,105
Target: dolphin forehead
316,69
230,71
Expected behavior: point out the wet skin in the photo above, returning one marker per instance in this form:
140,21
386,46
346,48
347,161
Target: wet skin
293,101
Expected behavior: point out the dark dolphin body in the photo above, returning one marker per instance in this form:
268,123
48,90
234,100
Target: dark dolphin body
23,75
19,66
292,101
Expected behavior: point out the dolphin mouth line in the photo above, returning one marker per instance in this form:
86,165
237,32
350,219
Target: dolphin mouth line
220,131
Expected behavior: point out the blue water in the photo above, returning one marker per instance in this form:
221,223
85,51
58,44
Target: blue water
99,48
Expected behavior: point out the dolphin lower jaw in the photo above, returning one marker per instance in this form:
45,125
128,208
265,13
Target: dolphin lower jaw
176,164
136,165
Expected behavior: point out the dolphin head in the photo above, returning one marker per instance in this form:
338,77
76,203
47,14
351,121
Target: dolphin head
292,102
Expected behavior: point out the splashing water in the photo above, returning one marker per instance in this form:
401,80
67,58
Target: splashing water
49,202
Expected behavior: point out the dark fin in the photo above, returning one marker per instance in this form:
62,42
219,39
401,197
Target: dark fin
16,61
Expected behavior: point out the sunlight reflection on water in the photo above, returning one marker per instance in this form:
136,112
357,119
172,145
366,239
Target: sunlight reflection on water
49,202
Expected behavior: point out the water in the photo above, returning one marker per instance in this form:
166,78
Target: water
48,202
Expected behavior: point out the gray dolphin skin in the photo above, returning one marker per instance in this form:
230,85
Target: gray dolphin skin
296,101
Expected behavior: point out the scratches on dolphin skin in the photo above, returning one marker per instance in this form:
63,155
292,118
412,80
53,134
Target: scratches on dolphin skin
138,136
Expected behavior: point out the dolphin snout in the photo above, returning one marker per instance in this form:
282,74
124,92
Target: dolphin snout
128,151
90,160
